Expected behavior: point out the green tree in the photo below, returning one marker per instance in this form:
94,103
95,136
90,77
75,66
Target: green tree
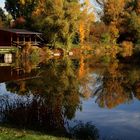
2,17
132,20
21,8
58,20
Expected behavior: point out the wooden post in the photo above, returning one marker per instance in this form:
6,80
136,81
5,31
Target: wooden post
11,40
24,39
35,40
30,39
18,40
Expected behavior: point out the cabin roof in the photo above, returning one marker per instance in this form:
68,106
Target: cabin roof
20,31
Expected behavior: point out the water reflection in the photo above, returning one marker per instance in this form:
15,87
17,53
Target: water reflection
50,96
55,97
33,114
86,131
115,88
118,85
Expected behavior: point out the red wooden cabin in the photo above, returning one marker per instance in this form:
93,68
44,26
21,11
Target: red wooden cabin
18,37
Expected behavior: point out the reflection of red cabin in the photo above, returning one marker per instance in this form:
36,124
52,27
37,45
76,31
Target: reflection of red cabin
18,37
7,73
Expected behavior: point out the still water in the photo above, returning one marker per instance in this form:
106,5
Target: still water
81,98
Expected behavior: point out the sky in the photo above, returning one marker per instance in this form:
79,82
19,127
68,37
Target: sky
2,3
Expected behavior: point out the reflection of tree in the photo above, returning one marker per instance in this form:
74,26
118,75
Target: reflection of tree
33,114
18,87
115,87
57,92
26,64
137,90
134,77
85,131
84,78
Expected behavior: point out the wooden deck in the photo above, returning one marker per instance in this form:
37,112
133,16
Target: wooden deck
5,65
7,49
22,43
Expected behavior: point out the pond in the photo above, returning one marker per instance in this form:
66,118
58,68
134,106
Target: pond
81,98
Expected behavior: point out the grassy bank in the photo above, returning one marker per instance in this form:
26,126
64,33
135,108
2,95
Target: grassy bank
16,134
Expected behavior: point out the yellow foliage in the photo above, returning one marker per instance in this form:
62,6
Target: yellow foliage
82,31
114,92
113,8
22,2
113,51
40,8
113,30
127,48
87,2
87,17
58,2
86,46
113,69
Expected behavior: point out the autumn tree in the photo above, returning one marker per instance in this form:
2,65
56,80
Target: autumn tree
132,17
122,18
86,20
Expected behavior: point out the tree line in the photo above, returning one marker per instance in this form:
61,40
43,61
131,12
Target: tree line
120,24
67,22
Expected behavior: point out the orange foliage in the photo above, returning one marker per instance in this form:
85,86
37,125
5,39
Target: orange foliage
138,7
81,71
82,31
112,10
127,48
113,91
22,2
113,30
40,8
87,17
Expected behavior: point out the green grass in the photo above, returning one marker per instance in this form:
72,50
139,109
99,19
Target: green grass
16,134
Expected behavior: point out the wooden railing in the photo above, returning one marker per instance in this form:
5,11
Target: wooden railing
22,43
